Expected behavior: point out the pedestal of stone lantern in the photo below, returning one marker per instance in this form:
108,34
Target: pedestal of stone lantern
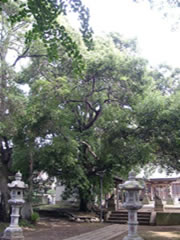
132,204
14,232
169,200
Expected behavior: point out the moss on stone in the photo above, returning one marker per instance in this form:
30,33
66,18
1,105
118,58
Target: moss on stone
164,218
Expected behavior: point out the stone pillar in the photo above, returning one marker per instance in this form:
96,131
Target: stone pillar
132,204
158,204
169,200
117,202
146,199
151,192
132,224
53,199
116,194
14,232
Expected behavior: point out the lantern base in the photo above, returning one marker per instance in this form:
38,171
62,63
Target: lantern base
133,238
13,233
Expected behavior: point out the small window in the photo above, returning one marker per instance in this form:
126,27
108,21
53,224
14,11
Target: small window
19,193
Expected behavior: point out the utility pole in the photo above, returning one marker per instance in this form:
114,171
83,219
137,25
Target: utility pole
101,175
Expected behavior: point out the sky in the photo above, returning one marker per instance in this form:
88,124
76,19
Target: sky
156,40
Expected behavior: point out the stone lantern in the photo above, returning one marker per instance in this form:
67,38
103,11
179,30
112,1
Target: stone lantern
132,204
14,232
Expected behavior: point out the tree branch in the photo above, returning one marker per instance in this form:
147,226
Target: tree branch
21,56
97,114
90,150
30,56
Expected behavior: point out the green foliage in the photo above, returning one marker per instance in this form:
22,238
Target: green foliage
25,223
35,217
31,222
43,15
3,226
158,125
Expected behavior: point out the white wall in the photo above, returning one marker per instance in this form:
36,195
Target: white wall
59,192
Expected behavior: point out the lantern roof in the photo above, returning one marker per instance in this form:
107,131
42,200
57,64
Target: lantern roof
131,183
17,183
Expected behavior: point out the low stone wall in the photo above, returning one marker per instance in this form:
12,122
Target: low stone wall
167,218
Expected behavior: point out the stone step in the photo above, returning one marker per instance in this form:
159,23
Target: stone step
126,217
116,217
126,213
122,217
117,221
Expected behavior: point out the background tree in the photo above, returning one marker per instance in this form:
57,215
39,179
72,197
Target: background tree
158,118
11,99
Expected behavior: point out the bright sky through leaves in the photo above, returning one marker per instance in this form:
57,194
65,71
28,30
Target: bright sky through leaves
157,42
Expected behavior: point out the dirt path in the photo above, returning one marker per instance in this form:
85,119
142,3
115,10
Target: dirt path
59,229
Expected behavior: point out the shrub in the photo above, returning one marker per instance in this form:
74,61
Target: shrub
24,223
34,217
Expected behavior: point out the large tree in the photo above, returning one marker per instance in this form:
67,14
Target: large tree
77,116
74,127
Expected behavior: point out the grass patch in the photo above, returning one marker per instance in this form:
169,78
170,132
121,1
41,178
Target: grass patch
63,204
3,226
46,207
25,223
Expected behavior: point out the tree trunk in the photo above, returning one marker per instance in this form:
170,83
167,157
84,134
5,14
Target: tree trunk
84,195
85,201
83,207
27,209
5,160
4,206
